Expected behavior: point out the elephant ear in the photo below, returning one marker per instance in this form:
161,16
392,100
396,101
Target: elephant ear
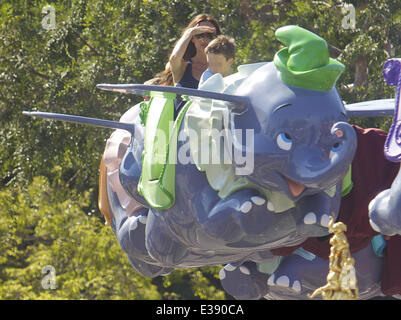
305,62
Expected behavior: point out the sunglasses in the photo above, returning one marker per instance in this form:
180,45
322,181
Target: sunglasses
208,35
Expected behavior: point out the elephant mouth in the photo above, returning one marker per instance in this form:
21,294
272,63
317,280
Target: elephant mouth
295,188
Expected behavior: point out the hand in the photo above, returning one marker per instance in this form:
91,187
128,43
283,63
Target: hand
201,29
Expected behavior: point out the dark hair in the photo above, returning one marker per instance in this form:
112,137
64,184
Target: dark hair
191,50
163,78
224,45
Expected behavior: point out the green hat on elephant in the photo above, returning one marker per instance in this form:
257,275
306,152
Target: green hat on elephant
305,62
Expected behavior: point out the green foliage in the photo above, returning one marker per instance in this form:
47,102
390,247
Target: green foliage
49,170
46,226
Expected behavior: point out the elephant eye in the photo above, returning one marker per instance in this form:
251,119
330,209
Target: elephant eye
335,148
284,141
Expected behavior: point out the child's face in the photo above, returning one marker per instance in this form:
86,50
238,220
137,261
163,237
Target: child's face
218,63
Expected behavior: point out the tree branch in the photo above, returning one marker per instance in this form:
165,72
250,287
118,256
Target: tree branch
87,44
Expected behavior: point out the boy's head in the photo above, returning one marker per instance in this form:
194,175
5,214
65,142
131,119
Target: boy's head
220,55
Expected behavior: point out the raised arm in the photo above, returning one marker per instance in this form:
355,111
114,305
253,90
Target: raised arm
177,62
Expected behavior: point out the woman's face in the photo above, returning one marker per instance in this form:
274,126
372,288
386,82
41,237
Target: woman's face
202,40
